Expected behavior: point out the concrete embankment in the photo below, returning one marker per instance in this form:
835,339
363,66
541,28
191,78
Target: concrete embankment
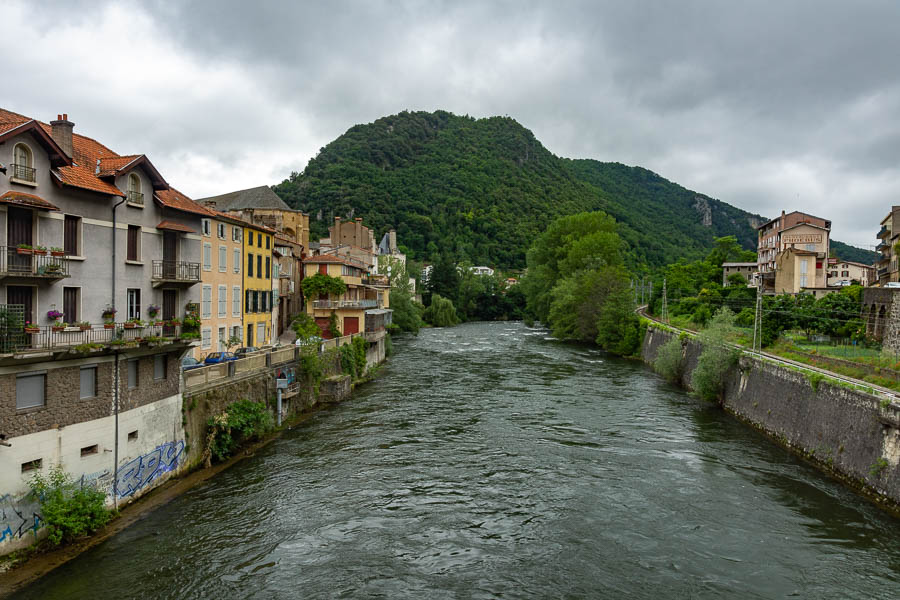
852,434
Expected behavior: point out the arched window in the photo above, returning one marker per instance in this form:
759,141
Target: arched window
23,163
134,189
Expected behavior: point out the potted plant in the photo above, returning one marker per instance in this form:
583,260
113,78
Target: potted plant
133,323
51,268
40,250
57,251
30,328
55,316
173,322
24,249
152,311
57,326
85,326
109,317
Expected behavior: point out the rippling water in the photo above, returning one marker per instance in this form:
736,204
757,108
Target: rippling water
490,461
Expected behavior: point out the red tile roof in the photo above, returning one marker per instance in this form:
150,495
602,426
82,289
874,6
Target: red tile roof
113,164
172,226
23,199
172,198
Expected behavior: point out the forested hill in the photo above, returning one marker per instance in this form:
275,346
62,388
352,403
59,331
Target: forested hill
482,189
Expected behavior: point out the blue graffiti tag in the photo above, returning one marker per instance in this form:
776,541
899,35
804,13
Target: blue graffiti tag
13,521
139,472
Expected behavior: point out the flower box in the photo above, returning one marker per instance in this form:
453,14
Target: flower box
109,326
85,327
129,325
57,253
32,329
57,328
40,252
23,250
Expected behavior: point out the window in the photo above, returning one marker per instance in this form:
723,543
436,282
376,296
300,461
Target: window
89,450
30,390
249,341
133,251
133,435
223,300
249,265
237,260
132,373
220,230
223,340
223,258
32,465
261,333
259,239
88,382
23,164
259,266
205,226
323,269
811,247
134,195
268,241
206,338
72,236
236,331
235,234
236,301
206,302
268,266
134,303
70,304
845,273
159,366
207,257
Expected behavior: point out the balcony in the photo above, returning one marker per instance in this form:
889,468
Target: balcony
882,232
23,173
136,198
86,340
883,271
171,271
338,304
882,246
26,264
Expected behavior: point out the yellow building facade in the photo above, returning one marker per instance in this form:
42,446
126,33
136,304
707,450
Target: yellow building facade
258,267
364,292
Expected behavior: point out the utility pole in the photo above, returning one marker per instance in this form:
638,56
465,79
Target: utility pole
665,304
757,320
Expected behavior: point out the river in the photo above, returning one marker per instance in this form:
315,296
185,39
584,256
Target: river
490,461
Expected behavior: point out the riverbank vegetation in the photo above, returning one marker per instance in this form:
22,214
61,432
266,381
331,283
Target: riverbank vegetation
69,510
243,421
577,284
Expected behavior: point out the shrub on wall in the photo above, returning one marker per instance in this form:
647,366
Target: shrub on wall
69,510
717,357
242,421
670,360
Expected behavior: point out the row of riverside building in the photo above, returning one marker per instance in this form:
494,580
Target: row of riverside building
109,277
793,256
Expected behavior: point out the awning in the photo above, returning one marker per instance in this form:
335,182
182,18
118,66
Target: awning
29,200
172,226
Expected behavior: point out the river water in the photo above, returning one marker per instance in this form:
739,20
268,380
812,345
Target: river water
490,461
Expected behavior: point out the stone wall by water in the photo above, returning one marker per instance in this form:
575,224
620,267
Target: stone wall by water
852,434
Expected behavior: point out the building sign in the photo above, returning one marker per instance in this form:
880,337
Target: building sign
805,238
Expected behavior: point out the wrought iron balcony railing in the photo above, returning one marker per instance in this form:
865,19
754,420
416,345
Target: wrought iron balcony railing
89,338
175,271
21,262
23,172
134,197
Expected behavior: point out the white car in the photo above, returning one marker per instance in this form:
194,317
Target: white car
892,284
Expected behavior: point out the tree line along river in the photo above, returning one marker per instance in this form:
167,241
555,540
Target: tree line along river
490,461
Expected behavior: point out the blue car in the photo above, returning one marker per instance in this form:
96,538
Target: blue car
214,358
189,362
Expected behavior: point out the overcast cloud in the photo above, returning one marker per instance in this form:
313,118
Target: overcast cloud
765,105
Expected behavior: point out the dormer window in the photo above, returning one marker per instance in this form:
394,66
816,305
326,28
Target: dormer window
23,164
134,194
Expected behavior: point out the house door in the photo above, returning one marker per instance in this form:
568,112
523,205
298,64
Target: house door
324,324
170,297
19,224
170,245
222,339
249,341
351,325
70,305
20,294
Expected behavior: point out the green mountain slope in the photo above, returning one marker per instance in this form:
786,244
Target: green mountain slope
482,189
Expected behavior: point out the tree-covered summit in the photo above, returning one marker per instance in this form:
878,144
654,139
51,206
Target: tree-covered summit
484,189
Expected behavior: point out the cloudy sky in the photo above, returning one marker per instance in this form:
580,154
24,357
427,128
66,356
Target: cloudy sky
765,105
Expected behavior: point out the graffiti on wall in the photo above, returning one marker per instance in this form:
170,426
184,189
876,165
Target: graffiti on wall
139,472
18,518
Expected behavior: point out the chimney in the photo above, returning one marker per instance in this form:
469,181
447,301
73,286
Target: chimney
61,132
336,233
210,204
359,240
392,240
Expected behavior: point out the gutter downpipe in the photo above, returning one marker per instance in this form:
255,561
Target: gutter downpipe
115,491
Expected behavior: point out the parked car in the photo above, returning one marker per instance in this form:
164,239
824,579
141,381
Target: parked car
189,362
244,351
214,358
892,284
